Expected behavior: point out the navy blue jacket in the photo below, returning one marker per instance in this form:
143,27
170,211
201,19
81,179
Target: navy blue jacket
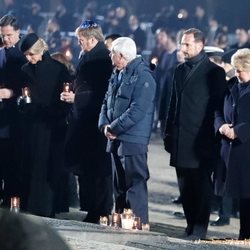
129,109
235,152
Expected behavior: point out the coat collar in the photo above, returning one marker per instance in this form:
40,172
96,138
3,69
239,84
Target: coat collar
235,90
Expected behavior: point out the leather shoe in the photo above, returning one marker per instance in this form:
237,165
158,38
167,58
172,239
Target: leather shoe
220,222
92,218
179,215
177,200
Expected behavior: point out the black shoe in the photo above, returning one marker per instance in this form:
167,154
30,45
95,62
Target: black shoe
92,218
179,215
177,200
220,222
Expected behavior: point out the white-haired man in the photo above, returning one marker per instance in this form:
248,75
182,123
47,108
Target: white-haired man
126,120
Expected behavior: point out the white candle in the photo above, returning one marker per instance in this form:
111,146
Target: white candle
15,204
104,220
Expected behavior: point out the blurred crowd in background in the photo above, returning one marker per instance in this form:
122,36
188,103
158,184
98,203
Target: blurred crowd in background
56,21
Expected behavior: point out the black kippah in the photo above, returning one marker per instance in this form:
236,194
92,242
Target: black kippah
28,41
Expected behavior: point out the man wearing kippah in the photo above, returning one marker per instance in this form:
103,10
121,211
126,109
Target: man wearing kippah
85,145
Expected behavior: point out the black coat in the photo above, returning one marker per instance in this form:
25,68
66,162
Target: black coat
235,153
12,77
190,122
44,132
84,141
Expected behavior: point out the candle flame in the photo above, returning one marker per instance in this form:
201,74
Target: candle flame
154,60
66,87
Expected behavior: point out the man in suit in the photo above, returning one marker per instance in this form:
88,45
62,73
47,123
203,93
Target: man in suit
126,119
197,96
12,79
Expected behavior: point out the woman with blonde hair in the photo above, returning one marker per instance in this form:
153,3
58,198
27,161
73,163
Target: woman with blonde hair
234,128
44,130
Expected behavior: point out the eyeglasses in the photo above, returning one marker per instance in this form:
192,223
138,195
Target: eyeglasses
88,24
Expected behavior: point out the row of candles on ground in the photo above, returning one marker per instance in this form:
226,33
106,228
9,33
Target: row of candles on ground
126,220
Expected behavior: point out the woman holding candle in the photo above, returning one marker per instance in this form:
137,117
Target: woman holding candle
234,128
44,130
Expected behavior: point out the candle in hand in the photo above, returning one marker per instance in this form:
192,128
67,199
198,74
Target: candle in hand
66,87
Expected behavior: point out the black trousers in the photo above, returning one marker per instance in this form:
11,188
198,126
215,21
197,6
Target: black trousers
196,192
130,184
96,187
244,219
10,179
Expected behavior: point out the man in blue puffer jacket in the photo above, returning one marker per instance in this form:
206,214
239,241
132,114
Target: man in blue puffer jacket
126,119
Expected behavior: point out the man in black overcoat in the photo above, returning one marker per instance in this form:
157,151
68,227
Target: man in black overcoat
12,79
85,145
198,90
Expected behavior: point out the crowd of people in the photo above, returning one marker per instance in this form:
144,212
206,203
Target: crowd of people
93,119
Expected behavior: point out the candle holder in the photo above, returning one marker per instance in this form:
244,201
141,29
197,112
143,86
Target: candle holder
26,95
137,223
15,204
103,220
127,221
127,211
116,220
66,87
145,227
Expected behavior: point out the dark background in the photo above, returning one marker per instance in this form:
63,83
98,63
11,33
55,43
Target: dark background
232,13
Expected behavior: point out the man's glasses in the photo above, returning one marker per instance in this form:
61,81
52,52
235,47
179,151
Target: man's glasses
88,24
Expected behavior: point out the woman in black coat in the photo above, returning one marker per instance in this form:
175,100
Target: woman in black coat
44,130
234,127
85,145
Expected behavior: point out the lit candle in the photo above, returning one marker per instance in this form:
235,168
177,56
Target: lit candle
137,223
26,94
103,220
66,86
68,54
145,227
116,220
127,221
154,60
127,211
15,204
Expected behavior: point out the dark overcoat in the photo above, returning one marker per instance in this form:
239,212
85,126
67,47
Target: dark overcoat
11,77
190,122
84,141
235,153
85,151
43,136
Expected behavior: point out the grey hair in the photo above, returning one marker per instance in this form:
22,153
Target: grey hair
125,46
241,59
95,32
